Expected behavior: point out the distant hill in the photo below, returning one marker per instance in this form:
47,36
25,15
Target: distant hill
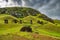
21,12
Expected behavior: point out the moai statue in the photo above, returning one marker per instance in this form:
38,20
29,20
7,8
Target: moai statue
31,22
26,29
20,21
40,22
6,21
15,21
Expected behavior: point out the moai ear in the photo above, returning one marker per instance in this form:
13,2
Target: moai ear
21,22
6,21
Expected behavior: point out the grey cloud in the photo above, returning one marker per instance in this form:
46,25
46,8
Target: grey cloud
18,2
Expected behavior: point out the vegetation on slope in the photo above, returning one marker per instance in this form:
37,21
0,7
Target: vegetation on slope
41,24
21,12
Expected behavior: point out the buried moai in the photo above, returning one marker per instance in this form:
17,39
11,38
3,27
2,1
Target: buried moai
31,22
26,29
40,22
21,21
6,21
15,21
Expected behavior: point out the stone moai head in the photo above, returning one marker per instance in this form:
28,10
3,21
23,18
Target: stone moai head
21,21
31,22
15,21
40,22
6,21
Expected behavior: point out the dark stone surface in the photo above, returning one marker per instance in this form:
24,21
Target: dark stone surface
26,29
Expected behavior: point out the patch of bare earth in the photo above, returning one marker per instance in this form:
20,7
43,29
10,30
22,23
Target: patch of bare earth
43,37
34,37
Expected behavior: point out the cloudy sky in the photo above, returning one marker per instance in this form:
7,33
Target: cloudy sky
50,8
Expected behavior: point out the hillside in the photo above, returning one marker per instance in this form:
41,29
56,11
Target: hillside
21,12
23,22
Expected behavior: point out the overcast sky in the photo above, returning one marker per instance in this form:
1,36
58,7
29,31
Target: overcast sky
50,8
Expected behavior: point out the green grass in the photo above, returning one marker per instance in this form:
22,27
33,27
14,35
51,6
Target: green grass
47,28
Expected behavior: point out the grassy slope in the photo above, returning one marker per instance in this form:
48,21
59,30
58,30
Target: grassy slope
57,22
47,28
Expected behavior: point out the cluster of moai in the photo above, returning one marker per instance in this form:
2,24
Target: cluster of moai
16,21
25,28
